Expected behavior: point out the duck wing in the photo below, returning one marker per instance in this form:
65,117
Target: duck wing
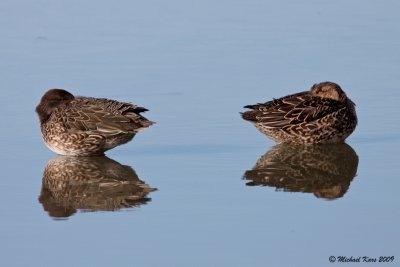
292,110
103,116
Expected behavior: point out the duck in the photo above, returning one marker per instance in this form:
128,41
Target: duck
90,184
324,170
87,126
322,115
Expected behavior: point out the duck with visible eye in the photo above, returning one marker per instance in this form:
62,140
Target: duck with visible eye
87,126
324,114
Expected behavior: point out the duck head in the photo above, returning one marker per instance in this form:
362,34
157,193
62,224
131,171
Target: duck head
328,90
51,100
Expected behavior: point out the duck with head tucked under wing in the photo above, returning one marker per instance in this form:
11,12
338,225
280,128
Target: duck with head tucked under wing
324,114
87,126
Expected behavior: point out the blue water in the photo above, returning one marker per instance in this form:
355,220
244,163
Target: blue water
194,65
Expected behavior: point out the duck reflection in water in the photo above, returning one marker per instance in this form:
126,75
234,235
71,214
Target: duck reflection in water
325,170
90,184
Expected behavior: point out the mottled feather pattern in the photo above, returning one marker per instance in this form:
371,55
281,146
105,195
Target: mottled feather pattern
86,126
90,184
325,170
103,116
305,117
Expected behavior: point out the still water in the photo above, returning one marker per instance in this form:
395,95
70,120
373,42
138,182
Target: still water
202,187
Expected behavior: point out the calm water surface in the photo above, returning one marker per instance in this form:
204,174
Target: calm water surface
201,187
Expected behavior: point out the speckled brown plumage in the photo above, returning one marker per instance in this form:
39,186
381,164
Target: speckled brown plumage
90,184
324,114
86,126
324,170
